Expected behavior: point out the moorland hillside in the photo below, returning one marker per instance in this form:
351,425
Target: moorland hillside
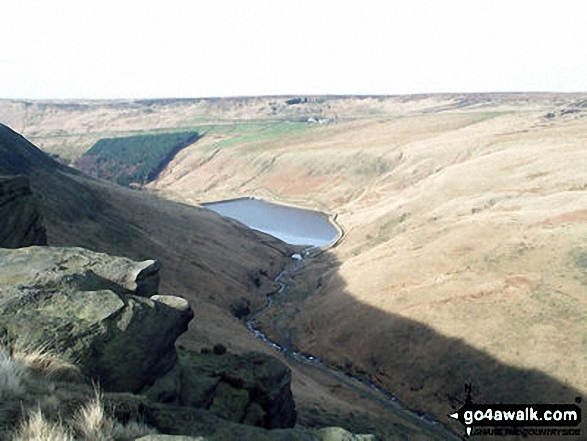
219,266
464,218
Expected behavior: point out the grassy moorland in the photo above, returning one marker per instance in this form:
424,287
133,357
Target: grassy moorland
464,216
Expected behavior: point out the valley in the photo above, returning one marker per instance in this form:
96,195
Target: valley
465,235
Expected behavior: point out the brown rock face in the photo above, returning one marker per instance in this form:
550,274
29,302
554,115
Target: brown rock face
21,222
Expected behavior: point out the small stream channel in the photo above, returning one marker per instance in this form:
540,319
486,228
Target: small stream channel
317,232
380,395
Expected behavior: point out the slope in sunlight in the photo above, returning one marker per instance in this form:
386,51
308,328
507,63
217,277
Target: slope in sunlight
465,228
210,261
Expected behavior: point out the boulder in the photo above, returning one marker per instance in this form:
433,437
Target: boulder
84,305
79,269
21,222
251,388
190,424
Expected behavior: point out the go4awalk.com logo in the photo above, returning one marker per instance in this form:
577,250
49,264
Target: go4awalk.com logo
519,419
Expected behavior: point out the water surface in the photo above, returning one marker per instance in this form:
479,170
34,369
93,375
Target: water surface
295,226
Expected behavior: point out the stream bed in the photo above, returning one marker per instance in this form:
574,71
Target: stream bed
315,231
358,383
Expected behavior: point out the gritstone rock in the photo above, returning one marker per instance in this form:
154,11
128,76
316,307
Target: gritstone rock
82,305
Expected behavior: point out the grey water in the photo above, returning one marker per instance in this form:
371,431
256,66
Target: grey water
298,227
295,226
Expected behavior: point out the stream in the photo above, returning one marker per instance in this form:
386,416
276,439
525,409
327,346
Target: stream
377,394
317,232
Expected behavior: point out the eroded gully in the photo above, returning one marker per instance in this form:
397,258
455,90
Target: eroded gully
362,385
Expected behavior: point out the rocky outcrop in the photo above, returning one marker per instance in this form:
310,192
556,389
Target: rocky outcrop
91,308
21,223
190,424
251,388
104,314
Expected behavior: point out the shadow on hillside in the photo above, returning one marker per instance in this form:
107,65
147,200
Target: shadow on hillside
426,370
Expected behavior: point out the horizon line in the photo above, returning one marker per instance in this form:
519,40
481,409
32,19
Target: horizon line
283,95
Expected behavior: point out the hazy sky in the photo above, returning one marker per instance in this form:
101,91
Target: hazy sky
189,48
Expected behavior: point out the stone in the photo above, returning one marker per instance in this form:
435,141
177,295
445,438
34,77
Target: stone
339,434
230,402
140,278
178,303
197,390
81,269
167,388
191,422
249,388
82,305
186,423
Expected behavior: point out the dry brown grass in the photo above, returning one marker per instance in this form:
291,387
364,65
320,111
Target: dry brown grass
462,219
12,376
91,422
443,210
37,428
36,392
40,360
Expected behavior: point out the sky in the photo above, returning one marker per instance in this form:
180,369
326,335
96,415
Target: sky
64,49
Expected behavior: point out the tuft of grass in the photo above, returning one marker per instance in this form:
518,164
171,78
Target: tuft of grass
12,377
43,362
37,428
93,424
32,387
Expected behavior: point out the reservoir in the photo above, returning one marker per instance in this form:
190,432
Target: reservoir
295,226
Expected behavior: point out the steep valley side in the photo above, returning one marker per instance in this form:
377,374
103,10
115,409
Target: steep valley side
463,258
460,262
215,264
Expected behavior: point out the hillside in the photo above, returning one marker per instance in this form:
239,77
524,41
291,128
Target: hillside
211,262
81,211
217,265
133,159
464,216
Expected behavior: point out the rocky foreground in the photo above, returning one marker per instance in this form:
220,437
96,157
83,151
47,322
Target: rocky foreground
104,322
104,314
